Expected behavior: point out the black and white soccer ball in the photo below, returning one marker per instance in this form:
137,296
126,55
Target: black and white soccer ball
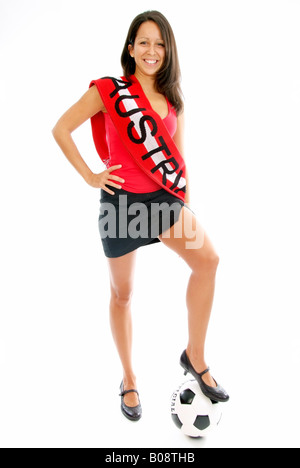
192,412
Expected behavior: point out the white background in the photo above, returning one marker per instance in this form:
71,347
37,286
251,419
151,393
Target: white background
59,369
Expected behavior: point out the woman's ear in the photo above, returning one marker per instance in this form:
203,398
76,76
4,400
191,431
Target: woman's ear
130,49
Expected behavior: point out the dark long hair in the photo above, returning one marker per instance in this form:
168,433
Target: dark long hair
169,76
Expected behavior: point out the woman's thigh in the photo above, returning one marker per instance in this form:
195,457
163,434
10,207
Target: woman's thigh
189,240
121,272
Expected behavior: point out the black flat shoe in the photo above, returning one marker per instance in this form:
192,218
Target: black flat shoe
217,394
131,413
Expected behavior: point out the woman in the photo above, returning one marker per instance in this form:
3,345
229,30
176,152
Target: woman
150,59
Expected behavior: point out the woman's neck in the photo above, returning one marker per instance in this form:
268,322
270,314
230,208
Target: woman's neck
148,83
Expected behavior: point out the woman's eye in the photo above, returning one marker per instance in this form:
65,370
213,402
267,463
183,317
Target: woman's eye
145,43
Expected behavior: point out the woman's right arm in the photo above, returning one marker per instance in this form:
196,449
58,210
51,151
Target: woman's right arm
89,105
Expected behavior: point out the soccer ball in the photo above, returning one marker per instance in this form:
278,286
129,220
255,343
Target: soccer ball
192,412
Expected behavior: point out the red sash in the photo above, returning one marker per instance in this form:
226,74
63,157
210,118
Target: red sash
141,130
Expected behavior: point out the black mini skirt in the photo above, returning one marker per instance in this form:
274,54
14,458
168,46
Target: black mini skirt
129,220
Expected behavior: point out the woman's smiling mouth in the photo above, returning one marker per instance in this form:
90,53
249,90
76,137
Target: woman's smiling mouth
151,62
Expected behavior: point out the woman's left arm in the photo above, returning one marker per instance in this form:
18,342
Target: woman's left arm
179,141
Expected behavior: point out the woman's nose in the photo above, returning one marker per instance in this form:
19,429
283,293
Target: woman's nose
152,49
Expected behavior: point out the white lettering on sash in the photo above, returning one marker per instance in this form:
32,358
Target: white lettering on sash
150,142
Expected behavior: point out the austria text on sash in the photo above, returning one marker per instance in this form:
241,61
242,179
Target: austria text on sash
142,131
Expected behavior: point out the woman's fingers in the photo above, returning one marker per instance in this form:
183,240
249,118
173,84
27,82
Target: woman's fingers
116,178
114,168
108,191
112,184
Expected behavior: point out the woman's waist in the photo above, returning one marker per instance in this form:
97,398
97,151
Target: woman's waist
136,180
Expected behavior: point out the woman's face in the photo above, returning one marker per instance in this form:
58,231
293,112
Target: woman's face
148,50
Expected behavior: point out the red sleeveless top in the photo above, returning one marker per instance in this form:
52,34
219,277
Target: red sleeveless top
136,180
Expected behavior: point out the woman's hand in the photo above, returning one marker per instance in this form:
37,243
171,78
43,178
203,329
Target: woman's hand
105,178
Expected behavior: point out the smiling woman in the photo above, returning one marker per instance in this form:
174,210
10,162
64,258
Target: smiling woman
137,123
150,48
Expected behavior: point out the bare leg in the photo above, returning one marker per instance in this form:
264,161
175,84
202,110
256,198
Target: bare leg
121,278
203,262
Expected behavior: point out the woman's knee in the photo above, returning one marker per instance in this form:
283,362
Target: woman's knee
122,295
206,263
214,261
